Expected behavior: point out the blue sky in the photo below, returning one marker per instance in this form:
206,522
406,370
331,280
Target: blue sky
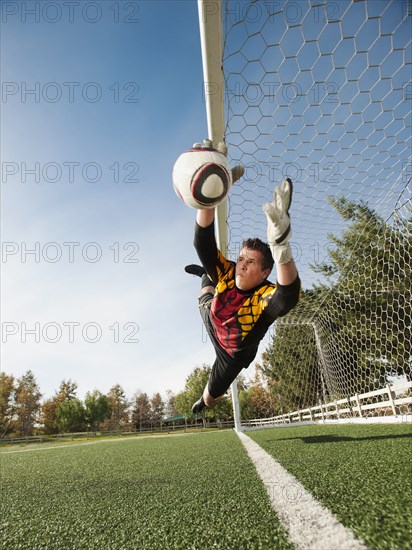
154,59
100,98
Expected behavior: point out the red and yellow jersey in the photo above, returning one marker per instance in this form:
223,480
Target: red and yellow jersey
240,318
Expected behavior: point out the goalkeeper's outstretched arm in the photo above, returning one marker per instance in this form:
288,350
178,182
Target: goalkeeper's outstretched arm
205,217
286,273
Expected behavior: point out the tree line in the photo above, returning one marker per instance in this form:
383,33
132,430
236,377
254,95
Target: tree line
24,413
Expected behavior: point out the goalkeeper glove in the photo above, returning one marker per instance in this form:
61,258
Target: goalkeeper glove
237,171
278,230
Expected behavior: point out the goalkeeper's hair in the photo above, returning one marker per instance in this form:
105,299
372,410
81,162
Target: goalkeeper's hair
263,248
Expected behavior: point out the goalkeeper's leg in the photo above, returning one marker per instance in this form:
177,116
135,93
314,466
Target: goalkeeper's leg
205,299
223,371
220,379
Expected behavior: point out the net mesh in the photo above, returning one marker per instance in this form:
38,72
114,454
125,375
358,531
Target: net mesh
321,92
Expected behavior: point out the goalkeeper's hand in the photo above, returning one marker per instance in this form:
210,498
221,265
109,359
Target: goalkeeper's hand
237,171
278,230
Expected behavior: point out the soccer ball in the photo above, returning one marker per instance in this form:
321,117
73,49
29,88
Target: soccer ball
202,177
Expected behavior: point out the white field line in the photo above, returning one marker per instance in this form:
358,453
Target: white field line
309,524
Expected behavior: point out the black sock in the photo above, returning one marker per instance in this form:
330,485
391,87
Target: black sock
194,269
200,271
206,281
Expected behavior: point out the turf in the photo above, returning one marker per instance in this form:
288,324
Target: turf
188,492
361,473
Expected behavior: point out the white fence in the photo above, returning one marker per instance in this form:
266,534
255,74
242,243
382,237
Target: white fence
389,404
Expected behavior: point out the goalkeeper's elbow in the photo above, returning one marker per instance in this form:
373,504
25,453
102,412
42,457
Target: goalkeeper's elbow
289,296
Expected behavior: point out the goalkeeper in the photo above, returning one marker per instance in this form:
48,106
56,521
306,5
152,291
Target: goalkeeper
237,302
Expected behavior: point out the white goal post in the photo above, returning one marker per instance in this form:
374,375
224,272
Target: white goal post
210,22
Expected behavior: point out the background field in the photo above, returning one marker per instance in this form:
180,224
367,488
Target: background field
201,491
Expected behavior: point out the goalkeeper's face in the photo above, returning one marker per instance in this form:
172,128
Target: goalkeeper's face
249,271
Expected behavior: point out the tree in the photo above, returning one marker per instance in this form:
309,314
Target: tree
49,416
195,384
256,400
156,407
27,403
291,367
368,275
119,407
67,391
97,409
184,404
7,402
141,410
70,416
170,404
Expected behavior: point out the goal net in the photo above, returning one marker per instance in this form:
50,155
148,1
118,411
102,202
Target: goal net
321,92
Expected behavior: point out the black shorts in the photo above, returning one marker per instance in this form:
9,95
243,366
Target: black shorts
224,369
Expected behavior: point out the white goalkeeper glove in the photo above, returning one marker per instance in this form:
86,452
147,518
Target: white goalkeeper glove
278,230
237,171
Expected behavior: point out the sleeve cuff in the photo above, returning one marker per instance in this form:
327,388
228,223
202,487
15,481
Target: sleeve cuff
205,230
288,290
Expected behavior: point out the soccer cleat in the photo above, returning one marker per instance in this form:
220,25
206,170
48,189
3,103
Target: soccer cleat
194,269
198,406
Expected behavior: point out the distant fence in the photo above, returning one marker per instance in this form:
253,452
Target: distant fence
164,428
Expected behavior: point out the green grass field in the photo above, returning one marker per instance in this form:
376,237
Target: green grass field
200,491
188,491
361,473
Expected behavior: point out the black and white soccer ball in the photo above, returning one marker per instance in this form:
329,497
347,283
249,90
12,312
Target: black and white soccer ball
202,177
